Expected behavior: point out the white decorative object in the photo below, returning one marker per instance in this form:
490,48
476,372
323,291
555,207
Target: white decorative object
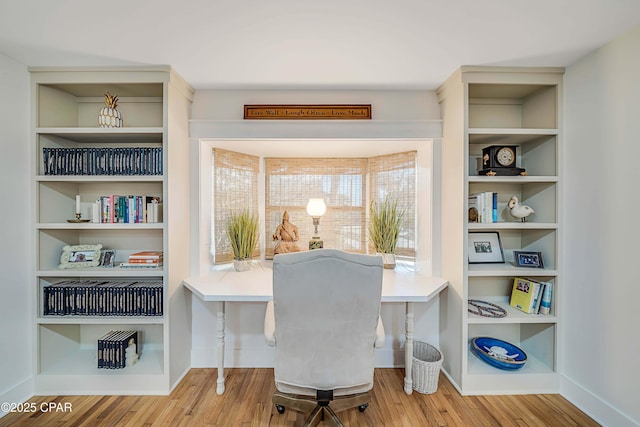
109,117
241,265
519,211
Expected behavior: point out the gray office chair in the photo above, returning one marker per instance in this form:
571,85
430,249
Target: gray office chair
324,322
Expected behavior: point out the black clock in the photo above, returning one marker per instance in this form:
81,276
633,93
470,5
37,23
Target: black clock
500,160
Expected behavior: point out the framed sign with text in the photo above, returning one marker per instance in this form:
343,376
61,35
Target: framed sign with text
308,112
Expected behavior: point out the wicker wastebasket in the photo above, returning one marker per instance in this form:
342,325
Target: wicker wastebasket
425,371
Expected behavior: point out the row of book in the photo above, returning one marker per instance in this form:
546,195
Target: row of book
531,296
118,349
127,209
144,259
103,298
102,161
483,207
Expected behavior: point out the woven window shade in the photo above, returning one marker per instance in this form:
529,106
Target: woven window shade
235,188
291,182
395,175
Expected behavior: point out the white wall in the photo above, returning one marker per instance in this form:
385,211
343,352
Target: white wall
16,333
218,114
600,314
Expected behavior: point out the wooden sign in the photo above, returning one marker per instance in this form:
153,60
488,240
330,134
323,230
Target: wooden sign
308,112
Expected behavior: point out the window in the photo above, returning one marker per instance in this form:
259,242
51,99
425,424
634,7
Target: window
235,188
395,175
290,183
347,186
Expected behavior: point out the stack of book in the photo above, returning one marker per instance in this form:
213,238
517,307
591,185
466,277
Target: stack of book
531,296
118,349
103,298
127,209
144,259
485,205
102,161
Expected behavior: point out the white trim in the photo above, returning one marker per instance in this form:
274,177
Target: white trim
19,393
602,412
310,129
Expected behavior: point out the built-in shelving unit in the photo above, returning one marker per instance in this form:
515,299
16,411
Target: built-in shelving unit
154,103
484,106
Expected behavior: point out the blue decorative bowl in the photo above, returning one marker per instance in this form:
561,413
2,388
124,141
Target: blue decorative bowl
498,353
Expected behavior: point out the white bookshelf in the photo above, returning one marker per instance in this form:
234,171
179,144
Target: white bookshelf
154,103
484,106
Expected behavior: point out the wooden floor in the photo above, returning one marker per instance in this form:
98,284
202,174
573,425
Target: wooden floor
247,402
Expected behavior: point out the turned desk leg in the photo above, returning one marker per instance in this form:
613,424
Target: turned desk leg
220,327
408,349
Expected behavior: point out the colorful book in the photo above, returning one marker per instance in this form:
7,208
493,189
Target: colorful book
525,295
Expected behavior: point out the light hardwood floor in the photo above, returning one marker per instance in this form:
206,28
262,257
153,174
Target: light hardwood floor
247,402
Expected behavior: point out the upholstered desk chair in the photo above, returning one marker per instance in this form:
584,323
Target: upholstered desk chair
324,322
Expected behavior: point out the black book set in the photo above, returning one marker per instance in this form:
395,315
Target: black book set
103,298
103,161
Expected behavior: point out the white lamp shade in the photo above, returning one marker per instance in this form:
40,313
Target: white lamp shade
316,207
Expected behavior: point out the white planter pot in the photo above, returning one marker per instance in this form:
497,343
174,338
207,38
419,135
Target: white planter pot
389,261
241,264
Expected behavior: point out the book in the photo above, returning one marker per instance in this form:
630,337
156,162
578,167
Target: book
545,303
146,255
486,204
525,295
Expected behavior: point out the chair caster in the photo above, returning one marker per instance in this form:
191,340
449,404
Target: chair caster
280,409
362,407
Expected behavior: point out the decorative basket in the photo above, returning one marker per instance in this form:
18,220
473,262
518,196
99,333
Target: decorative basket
425,371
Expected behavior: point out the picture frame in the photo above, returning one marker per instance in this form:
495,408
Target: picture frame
108,257
485,248
528,259
80,256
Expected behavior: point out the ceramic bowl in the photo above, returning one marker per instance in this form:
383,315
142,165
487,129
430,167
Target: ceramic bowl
498,353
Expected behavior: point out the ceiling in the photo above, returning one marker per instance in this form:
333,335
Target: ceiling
329,44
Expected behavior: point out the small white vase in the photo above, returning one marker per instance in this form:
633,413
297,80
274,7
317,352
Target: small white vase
389,261
241,264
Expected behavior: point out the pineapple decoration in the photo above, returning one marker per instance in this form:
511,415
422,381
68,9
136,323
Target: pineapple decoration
110,117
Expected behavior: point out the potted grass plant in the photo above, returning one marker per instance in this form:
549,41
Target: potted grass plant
385,222
242,229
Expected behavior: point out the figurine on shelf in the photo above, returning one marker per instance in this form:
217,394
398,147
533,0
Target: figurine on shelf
287,235
519,211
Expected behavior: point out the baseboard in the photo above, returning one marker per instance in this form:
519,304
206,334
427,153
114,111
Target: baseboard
594,406
205,357
17,394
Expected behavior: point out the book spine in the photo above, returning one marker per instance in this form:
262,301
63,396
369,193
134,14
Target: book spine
545,304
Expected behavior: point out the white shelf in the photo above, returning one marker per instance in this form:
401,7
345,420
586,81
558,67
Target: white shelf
154,102
100,226
101,272
512,226
533,366
100,320
482,179
487,106
99,178
513,314
137,135
84,361
507,269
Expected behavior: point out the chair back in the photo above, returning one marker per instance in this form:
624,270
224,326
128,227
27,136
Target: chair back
326,305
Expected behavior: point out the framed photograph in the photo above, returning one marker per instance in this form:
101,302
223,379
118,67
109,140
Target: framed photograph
108,256
80,256
528,259
485,247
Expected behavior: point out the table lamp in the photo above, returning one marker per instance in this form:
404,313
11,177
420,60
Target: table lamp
316,208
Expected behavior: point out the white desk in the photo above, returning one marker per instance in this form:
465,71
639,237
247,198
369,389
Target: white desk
226,285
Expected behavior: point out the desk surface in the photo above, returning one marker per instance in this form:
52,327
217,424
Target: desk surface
226,284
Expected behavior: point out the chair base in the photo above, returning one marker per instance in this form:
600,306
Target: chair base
313,412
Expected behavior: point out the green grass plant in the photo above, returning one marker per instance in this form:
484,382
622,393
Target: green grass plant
242,229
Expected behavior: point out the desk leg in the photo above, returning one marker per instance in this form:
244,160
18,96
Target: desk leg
220,327
408,349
